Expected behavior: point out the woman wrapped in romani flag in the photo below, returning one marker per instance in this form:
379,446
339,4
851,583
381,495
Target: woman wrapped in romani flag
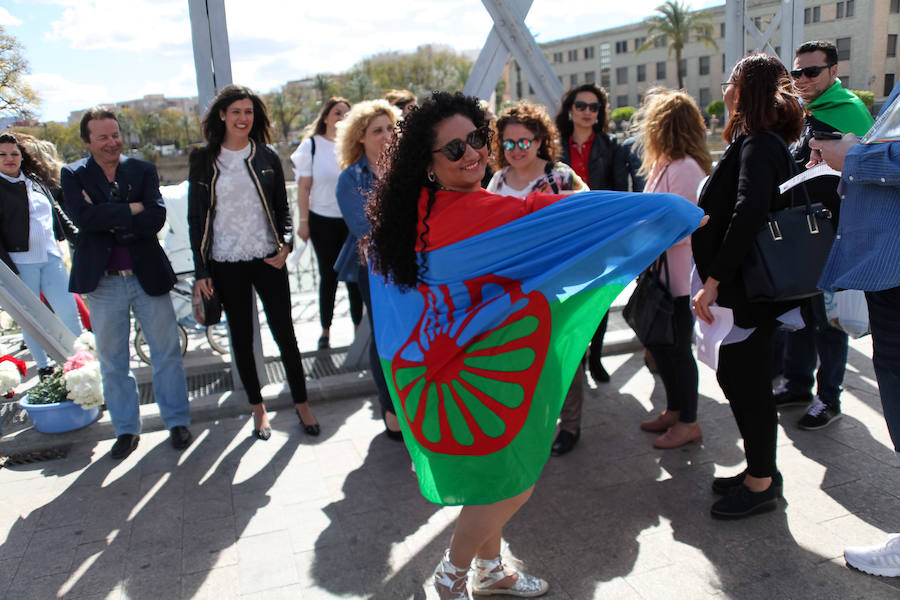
483,306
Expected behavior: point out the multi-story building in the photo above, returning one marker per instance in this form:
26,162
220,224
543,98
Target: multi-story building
864,31
149,103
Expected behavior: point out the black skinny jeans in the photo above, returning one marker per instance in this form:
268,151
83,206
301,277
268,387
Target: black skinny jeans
745,377
676,363
384,396
233,281
328,235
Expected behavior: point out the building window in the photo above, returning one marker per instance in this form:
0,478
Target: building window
888,84
530,90
604,78
573,55
895,6
659,42
892,45
573,79
722,29
839,13
843,48
682,67
519,89
757,21
845,81
812,15
704,65
590,77
705,98
621,101
621,75
557,57
661,70
560,79
588,53
851,8
622,47
638,42
642,72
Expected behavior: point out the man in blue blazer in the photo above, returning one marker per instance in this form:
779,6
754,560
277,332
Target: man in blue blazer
119,264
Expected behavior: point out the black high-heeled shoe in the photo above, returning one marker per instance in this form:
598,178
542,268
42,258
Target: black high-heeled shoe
263,433
313,429
390,433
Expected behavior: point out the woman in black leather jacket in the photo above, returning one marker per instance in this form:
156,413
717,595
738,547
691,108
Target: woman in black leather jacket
241,234
31,224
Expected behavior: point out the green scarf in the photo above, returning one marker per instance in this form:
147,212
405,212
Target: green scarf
842,110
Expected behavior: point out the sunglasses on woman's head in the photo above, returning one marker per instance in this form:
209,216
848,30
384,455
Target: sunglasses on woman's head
591,106
522,143
810,72
455,149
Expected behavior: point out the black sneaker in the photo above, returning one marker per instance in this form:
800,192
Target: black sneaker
818,416
787,399
125,445
741,502
723,485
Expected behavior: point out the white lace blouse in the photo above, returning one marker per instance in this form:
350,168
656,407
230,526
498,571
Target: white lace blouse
240,230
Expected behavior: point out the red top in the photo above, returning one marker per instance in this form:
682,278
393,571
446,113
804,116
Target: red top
579,154
456,216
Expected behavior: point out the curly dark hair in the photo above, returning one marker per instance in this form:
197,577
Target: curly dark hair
535,119
766,100
564,123
393,206
214,127
29,165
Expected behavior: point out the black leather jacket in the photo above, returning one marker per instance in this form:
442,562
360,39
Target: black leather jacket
15,217
607,163
265,170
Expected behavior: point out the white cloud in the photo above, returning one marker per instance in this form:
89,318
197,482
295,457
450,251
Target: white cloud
134,26
58,94
7,19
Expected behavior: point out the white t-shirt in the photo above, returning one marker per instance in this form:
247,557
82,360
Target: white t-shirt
241,230
324,170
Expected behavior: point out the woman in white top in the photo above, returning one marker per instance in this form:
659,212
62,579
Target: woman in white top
241,234
316,169
31,223
526,148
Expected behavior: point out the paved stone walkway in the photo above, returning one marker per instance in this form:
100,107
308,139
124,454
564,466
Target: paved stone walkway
340,516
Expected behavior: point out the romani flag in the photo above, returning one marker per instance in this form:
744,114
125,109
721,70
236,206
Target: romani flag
480,355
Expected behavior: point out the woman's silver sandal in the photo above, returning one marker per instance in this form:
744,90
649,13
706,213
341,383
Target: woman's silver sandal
450,580
488,572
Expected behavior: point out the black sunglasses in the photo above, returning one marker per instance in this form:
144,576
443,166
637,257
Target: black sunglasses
522,143
455,149
810,72
591,106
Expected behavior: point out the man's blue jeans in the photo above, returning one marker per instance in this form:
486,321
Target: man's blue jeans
52,279
884,321
818,337
111,304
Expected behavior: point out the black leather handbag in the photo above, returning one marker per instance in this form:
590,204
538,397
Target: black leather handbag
790,251
650,310
207,311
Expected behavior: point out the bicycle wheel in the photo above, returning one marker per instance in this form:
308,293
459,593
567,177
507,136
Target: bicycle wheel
143,348
217,336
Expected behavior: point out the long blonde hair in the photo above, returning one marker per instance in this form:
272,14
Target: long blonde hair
670,126
351,129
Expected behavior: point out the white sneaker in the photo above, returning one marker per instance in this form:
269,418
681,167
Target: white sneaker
877,560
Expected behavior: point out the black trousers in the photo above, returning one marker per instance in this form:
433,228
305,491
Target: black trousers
676,364
328,235
745,377
384,396
233,281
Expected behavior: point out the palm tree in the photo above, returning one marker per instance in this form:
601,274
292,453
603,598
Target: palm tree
674,27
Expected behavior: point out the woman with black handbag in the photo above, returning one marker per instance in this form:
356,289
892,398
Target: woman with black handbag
241,234
672,134
738,198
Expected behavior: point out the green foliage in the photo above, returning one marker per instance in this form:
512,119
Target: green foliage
16,96
66,138
868,98
623,113
716,108
674,27
50,390
284,106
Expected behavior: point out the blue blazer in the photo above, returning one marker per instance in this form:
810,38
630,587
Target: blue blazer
98,220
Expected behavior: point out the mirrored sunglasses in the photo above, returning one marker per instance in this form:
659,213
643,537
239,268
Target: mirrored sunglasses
522,143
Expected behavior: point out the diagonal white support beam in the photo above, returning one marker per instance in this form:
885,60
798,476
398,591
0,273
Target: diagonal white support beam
510,27
212,57
492,59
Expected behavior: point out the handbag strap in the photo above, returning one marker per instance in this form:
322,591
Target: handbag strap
794,171
661,262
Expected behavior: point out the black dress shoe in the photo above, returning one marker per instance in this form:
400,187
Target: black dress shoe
313,429
598,373
565,441
125,445
180,437
323,342
263,434
723,485
742,502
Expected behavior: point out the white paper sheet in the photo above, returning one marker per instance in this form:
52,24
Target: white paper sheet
708,338
816,171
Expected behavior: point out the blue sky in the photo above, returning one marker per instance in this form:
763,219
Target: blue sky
85,52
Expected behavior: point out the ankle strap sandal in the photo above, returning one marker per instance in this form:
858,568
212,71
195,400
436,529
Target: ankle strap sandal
489,572
450,580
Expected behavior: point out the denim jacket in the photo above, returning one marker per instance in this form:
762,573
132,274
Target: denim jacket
353,186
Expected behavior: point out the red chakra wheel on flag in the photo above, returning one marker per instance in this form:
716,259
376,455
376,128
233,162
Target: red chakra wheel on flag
472,396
